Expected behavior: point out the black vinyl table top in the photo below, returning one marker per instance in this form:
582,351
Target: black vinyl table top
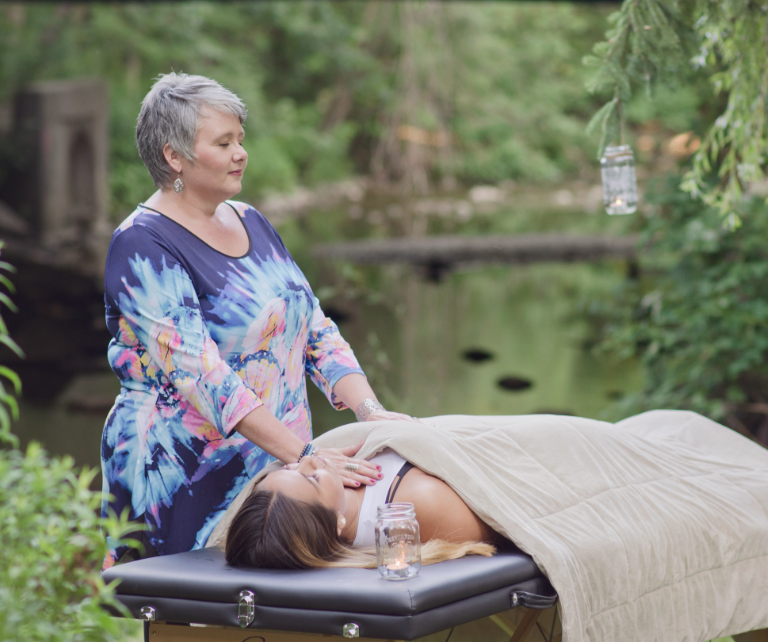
198,586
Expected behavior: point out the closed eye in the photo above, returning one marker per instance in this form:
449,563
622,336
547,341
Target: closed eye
315,483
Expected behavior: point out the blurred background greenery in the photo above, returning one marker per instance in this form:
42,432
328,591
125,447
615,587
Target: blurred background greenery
331,87
328,85
459,118
392,119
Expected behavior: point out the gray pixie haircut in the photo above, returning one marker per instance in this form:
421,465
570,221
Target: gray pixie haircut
170,113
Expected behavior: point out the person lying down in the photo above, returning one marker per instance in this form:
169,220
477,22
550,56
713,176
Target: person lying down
655,527
302,516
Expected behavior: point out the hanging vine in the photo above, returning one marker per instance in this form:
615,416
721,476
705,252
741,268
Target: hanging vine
662,41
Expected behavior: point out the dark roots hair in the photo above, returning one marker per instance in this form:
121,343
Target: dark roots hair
272,530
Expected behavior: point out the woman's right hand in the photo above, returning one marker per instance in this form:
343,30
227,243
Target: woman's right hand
366,473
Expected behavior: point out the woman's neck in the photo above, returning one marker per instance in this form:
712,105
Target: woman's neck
353,501
183,206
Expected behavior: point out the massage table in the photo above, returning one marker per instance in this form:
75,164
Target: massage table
176,594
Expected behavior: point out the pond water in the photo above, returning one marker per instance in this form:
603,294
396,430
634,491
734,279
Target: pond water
502,340
491,340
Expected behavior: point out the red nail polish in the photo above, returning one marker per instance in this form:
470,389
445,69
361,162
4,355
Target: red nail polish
379,467
357,483
380,475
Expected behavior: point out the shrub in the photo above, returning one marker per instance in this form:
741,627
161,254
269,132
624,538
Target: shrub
697,320
51,533
52,551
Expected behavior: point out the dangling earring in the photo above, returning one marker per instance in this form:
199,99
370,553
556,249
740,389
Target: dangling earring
178,185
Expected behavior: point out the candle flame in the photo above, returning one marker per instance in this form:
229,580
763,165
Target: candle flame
397,565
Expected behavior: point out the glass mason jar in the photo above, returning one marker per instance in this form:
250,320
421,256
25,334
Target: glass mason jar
617,168
398,546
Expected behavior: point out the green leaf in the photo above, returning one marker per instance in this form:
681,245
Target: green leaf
10,304
10,343
11,402
13,377
4,280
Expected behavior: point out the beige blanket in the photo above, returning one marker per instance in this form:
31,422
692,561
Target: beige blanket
652,529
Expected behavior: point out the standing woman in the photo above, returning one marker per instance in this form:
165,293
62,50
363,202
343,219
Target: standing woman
214,329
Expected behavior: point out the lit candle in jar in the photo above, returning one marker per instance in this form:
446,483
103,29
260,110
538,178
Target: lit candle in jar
617,168
397,565
398,546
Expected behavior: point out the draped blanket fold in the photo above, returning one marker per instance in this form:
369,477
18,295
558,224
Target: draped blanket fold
654,529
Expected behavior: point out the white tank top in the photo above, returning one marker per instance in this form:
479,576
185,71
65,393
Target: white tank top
376,496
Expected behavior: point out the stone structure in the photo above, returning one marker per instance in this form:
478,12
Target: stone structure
55,230
57,182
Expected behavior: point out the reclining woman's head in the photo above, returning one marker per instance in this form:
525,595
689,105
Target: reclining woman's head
294,519
272,530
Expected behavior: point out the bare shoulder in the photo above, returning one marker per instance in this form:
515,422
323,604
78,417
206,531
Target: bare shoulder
441,513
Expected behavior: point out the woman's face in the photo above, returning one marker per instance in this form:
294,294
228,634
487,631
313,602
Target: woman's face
221,160
311,480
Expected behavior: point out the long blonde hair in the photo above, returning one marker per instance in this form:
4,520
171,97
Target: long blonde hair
272,530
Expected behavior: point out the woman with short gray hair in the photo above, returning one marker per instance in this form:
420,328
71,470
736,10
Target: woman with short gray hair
214,328
170,114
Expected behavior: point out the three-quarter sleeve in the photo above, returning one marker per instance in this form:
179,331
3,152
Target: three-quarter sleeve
329,356
157,300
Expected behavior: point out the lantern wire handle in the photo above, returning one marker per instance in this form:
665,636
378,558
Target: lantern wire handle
621,120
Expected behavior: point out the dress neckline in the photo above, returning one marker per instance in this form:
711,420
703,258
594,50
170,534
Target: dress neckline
239,218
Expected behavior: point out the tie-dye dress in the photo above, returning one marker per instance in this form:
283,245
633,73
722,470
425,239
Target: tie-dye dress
200,339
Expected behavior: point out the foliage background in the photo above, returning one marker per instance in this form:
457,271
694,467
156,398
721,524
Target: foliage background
665,42
494,92
697,319
328,85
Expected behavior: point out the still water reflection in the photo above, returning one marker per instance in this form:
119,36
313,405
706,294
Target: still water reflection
501,340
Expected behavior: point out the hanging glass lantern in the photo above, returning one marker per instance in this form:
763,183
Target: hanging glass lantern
617,167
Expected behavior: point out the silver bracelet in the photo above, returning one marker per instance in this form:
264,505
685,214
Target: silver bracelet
310,450
366,407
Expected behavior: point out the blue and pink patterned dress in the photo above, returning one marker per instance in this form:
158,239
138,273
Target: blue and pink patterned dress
200,339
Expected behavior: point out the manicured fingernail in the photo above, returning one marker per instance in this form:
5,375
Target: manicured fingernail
372,482
357,483
380,475
378,467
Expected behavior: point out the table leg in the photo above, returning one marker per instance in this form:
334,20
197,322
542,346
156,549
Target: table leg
526,625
